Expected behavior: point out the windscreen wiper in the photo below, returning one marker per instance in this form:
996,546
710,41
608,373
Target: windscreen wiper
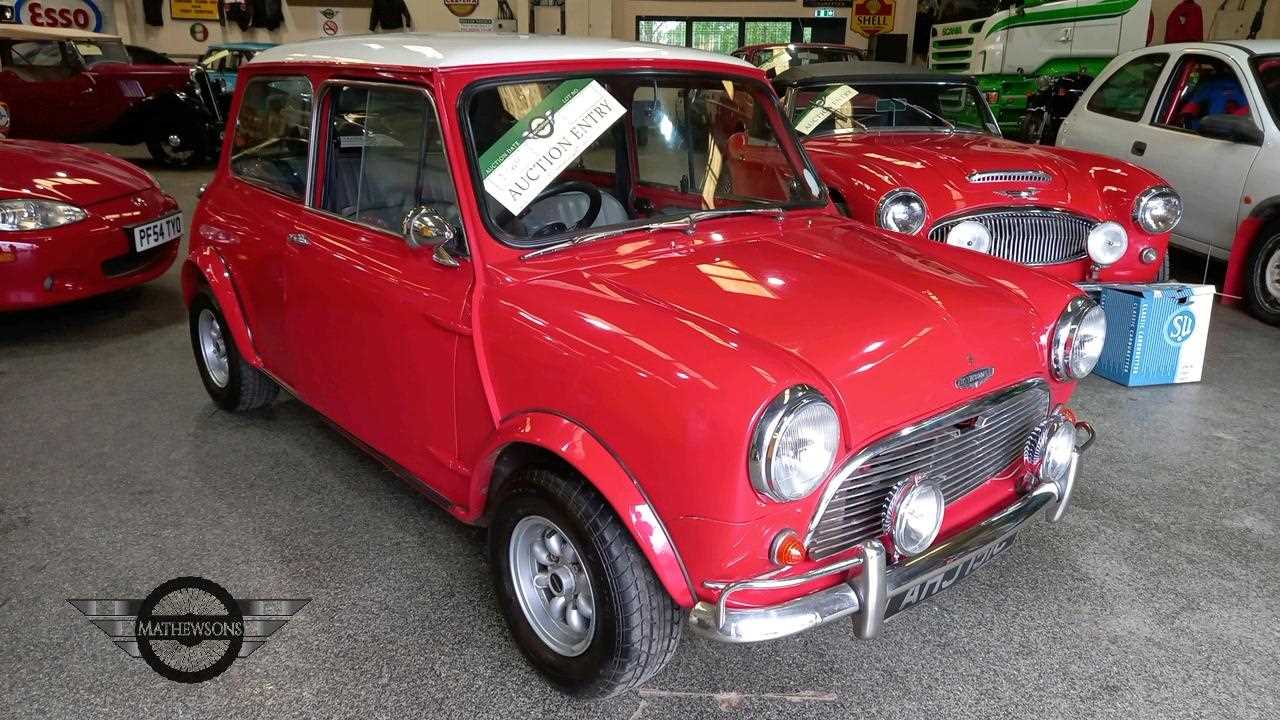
687,223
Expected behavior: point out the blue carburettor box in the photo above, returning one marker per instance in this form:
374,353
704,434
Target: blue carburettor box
1156,334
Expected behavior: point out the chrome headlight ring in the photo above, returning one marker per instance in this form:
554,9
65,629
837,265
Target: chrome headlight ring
902,210
1158,210
802,426
1077,341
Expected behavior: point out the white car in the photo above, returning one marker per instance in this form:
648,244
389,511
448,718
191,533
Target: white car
1206,117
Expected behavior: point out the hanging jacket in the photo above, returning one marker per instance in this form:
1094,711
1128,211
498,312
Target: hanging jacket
236,11
389,14
153,11
267,14
1185,24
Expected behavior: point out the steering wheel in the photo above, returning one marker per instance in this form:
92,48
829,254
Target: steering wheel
595,200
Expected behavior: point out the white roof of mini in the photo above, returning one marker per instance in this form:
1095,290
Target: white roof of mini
442,50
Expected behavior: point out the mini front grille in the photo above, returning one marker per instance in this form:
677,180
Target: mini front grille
960,449
1028,236
1011,176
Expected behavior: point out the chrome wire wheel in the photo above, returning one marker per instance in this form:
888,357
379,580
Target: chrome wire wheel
552,585
1271,275
213,348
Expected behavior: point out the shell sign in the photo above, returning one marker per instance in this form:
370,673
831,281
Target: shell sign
871,17
461,8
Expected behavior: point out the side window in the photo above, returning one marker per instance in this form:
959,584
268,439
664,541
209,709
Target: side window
385,157
1201,86
38,60
273,134
1124,95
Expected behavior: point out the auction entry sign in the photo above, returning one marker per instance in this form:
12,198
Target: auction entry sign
193,9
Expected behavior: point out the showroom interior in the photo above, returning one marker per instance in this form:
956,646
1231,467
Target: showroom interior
640,358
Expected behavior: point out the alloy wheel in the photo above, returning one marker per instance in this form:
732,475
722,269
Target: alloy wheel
552,585
213,348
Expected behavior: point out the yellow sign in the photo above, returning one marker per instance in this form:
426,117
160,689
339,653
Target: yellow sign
193,9
872,17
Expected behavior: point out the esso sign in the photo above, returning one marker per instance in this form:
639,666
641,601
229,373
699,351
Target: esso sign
77,14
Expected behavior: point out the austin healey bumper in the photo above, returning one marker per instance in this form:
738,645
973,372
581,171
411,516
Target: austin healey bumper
879,592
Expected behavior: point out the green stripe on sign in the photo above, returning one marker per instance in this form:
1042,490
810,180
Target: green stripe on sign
515,137
1095,11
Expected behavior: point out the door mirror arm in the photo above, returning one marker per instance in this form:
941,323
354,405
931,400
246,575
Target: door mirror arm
425,227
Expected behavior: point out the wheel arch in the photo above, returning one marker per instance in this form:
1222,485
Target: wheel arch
1265,215
544,438
206,270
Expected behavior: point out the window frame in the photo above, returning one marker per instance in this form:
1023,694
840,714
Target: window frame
1146,103
1166,92
512,242
1272,108
311,136
321,110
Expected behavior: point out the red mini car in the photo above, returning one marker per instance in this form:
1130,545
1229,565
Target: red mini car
75,222
669,377
920,153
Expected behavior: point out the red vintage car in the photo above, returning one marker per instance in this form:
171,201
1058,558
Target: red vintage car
774,58
75,222
670,378
920,153
73,85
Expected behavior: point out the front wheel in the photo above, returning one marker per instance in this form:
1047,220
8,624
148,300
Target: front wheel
577,593
232,383
1033,126
1263,287
177,144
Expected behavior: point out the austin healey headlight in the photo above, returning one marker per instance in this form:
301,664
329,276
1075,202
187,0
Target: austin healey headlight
1078,339
1107,243
901,211
794,445
37,214
1158,210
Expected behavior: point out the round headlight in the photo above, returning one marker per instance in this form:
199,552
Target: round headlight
1078,339
794,445
914,515
1107,243
37,214
972,235
1158,210
901,211
1049,449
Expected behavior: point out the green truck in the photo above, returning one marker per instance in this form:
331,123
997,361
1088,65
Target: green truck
1016,48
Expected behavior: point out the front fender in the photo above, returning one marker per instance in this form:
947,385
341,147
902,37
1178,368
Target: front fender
1247,235
205,267
596,463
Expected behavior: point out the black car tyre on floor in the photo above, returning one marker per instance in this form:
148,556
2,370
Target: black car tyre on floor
1263,281
177,144
579,596
233,384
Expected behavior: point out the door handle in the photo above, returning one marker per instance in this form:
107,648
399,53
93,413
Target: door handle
1065,36
299,239
1139,148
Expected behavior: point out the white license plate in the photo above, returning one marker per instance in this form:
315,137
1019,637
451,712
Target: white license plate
156,233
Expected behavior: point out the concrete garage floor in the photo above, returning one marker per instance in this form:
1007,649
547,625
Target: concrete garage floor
1156,598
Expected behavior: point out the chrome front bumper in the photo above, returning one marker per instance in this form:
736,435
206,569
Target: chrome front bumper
867,598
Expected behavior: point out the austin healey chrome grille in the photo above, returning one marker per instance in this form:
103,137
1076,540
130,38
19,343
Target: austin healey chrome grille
1010,176
960,449
1029,236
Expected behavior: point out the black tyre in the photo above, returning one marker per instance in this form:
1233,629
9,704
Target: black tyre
579,596
1033,126
233,384
1163,275
177,144
1263,283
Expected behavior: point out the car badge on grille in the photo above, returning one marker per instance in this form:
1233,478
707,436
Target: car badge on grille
974,379
1025,194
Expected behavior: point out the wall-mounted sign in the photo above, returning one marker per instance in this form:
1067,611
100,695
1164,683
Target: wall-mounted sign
199,32
829,3
78,14
193,9
872,17
330,21
462,8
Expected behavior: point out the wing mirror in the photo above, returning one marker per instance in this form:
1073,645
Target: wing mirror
425,227
1236,128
